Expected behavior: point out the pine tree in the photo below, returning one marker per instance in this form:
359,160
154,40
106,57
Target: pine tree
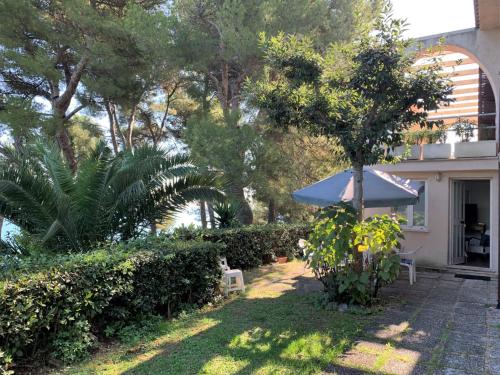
219,41
49,47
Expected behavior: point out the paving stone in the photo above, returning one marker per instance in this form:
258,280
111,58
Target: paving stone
469,297
492,367
493,348
479,312
424,285
437,306
493,354
450,276
424,342
476,284
451,371
467,337
471,363
434,317
465,319
406,308
471,328
400,367
438,310
428,275
416,295
449,283
469,346
394,317
390,331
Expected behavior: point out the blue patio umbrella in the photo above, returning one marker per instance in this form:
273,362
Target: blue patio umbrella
380,189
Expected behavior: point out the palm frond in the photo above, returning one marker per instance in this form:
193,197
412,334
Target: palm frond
110,197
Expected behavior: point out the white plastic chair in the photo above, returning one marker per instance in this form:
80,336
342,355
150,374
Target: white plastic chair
302,244
410,263
229,276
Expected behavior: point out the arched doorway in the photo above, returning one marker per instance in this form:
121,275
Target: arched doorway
471,116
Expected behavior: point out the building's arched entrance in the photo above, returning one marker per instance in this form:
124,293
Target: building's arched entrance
474,100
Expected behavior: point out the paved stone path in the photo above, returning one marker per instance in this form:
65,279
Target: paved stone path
440,325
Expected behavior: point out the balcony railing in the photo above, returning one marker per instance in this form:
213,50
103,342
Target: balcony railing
475,143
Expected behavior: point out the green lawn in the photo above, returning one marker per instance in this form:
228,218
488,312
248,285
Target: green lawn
269,330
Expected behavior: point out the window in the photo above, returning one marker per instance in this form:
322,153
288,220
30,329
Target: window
416,215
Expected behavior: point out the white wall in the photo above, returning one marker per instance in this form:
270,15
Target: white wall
435,237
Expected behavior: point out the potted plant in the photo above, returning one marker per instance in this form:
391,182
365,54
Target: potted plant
464,129
281,257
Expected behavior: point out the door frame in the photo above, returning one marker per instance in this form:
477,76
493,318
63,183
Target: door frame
451,191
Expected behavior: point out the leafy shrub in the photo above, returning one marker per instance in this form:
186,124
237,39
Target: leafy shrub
334,240
142,327
5,364
58,310
73,344
251,246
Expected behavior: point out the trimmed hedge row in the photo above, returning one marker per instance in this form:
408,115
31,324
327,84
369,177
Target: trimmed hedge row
251,246
59,311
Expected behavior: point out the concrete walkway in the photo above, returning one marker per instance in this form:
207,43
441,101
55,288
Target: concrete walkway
440,325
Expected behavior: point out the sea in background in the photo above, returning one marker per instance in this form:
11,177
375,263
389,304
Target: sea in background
8,229
189,216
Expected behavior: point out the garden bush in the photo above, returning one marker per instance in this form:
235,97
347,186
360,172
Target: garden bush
251,246
336,237
60,311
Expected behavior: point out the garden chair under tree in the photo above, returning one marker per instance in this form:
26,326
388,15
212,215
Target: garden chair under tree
229,275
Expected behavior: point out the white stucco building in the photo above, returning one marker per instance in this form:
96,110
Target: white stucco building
456,223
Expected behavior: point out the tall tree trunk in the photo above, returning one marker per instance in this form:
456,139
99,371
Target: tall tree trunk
203,215
64,142
60,104
245,215
18,143
110,109
131,123
211,215
357,203
357,200
154,229
118,128
271,211
1,225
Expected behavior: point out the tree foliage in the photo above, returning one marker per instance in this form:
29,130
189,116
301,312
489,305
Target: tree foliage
229,146
333,243
49,47
109,198
365,94
156,68
220,45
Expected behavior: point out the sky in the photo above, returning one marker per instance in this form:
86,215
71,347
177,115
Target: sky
428,17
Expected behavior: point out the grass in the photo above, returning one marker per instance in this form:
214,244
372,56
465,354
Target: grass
269,330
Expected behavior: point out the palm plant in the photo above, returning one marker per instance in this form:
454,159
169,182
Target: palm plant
108,198
226,214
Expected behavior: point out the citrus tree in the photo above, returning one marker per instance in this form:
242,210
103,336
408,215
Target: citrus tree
330,253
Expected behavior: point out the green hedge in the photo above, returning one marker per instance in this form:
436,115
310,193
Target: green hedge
61,310
251,246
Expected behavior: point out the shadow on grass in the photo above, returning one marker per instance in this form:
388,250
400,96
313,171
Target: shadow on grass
275,331
278,327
